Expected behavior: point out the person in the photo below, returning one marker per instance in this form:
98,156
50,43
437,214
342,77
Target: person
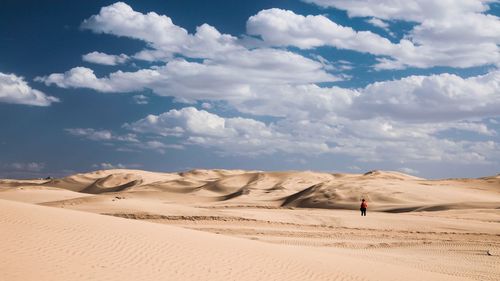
363,207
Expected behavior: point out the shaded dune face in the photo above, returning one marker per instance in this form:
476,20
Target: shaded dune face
246,225
109,184
385,191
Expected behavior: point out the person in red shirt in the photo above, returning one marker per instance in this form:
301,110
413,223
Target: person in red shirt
363,207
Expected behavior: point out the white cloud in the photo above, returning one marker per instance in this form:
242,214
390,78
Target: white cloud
25,167
102,58
164,37
157,146
460,36
206,105
434,98
410,171
381,140
412,10
229,69
283,28
371,140
404,119
119,19
101,135
125,142
394,120
14,89
378,23
148,125
92,134
82,77
176,122
228,135
108,166
381,24
141,99
475,127
461,40
405,114
232,76
298,101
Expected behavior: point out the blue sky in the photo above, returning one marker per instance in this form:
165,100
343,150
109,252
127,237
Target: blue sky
329,85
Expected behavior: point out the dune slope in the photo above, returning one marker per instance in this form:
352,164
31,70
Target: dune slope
386,191
43,243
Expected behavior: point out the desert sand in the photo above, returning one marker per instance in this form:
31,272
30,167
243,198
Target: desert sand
249,225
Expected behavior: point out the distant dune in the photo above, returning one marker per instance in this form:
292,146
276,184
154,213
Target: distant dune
248,225
386,191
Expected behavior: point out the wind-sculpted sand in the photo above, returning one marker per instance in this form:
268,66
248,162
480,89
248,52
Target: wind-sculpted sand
249,225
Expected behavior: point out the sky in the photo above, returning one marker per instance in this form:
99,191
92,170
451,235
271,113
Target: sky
326,85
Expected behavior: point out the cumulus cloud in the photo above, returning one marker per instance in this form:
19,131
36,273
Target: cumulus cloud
103,58
434,98
164,37
25,167
283,28
370,140
432,43
100,135
445,30
381,24
14,89
448,34
108,166
141,99
228,72
228,135
413,10
22,170
422,99
407,170
461,36
130,142
175,122
90,133
206,105
82,77
157,146
231,76
401,119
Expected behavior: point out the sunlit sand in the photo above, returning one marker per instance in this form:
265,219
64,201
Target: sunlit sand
249,225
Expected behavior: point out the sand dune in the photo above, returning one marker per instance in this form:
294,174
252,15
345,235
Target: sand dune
386,191
247,225
44,243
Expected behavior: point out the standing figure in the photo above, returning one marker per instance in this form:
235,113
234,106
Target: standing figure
363,207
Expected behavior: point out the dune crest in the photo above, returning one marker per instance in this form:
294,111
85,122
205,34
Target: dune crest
247,225
385,190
